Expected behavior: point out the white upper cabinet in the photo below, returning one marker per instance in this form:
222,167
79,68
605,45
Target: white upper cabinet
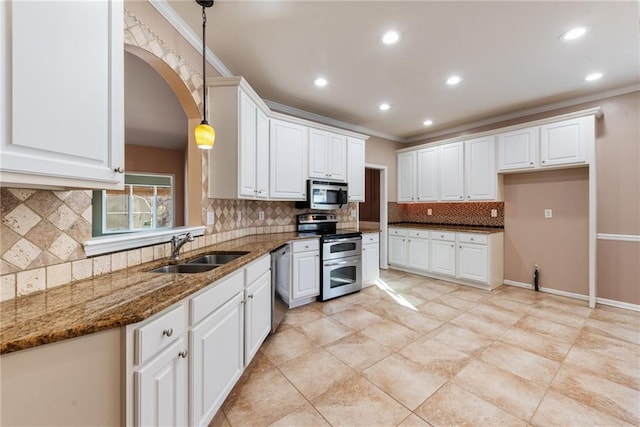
406,176
480,171
355,169
566,142
518,149
451,176
327,155
239,160
62,121
427,175
288,154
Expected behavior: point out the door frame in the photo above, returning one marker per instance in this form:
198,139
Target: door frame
384,198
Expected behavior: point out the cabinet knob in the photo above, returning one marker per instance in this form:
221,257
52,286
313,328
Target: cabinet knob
454,246
530,163
250,296
544,161
119,169
183,354
468,197
168,332
461,197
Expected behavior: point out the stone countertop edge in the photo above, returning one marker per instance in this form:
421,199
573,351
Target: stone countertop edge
449,227
117,299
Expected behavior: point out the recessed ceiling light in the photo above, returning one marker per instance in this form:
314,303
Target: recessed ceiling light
427,122
320,82
574,33
390,37
593,76
454,80
384,106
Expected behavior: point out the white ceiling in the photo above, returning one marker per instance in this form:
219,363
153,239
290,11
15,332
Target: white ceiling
508,53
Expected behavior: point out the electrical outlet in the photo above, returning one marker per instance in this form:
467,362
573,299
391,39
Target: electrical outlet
429,212
353,213
548,213
494,213
239,216
261,215
211,218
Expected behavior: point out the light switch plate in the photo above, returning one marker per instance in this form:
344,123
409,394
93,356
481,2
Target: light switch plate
211,218
548,213
494,213
261,215
353,213
429,212
239,216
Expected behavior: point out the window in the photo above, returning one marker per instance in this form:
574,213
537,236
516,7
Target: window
146,203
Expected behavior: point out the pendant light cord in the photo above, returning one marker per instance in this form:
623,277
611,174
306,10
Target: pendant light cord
204,69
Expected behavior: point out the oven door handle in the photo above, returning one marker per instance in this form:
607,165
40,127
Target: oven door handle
346,239
340,263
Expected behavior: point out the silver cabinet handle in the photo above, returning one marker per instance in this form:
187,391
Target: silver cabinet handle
250,296
119,169
183,354
168,332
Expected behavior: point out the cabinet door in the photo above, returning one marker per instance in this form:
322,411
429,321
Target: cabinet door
473,262
443,257
337,158
63,126
565,142
306,274
248,146
517,149
161,388
213,372
355,169
451,183
257,315
427,172
406,176
370,263
480,171
318,154
288,153
397,250
418,253
262,155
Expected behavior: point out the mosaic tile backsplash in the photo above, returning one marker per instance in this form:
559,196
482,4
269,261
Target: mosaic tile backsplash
461,213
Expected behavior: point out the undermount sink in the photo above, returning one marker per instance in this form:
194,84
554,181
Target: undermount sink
217,258
184,268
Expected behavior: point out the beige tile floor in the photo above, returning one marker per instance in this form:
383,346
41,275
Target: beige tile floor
414,351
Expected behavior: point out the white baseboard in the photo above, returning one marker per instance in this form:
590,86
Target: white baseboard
547,290
619,304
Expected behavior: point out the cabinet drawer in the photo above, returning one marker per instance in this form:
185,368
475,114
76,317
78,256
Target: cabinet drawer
473,238
257,269
398,232
306,245
217,294
419,233
443,235
158,333
370,238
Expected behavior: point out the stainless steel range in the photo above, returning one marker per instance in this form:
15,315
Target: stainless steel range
341,255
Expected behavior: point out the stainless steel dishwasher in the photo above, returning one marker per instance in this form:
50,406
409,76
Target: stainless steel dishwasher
280,283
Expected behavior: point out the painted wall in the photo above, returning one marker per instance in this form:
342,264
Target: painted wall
160,160
381,151
559,245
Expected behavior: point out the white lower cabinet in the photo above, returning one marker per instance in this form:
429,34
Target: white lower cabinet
418,249
370,258
472,261
257,315
306,272
443,253
397,247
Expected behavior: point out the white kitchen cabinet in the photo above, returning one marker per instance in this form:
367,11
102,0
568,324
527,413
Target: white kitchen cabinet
355,169
306,270
418,249
161,388
480,172
239,160
480,258
451,171
288,160
258,307
443,253
406,164
565,142
397,247
327,155
370,258
472,260
427,175
217,359
63,127
518,149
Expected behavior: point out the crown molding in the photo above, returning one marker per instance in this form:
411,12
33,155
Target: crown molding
163,7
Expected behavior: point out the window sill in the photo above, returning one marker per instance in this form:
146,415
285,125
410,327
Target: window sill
107,244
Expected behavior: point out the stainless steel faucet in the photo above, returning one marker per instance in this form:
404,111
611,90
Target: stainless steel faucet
177,242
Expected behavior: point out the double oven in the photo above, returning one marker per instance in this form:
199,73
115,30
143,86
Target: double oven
340,252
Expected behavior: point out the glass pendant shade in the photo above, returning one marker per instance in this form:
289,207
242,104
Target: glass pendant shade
205,136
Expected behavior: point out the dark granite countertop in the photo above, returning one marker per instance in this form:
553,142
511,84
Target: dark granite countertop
448,227
116,299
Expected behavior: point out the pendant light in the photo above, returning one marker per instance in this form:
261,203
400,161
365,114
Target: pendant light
205,135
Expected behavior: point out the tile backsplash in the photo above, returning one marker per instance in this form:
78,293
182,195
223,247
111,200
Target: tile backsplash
460,213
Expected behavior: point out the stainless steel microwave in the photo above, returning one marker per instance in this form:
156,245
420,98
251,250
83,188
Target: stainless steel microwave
325,195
